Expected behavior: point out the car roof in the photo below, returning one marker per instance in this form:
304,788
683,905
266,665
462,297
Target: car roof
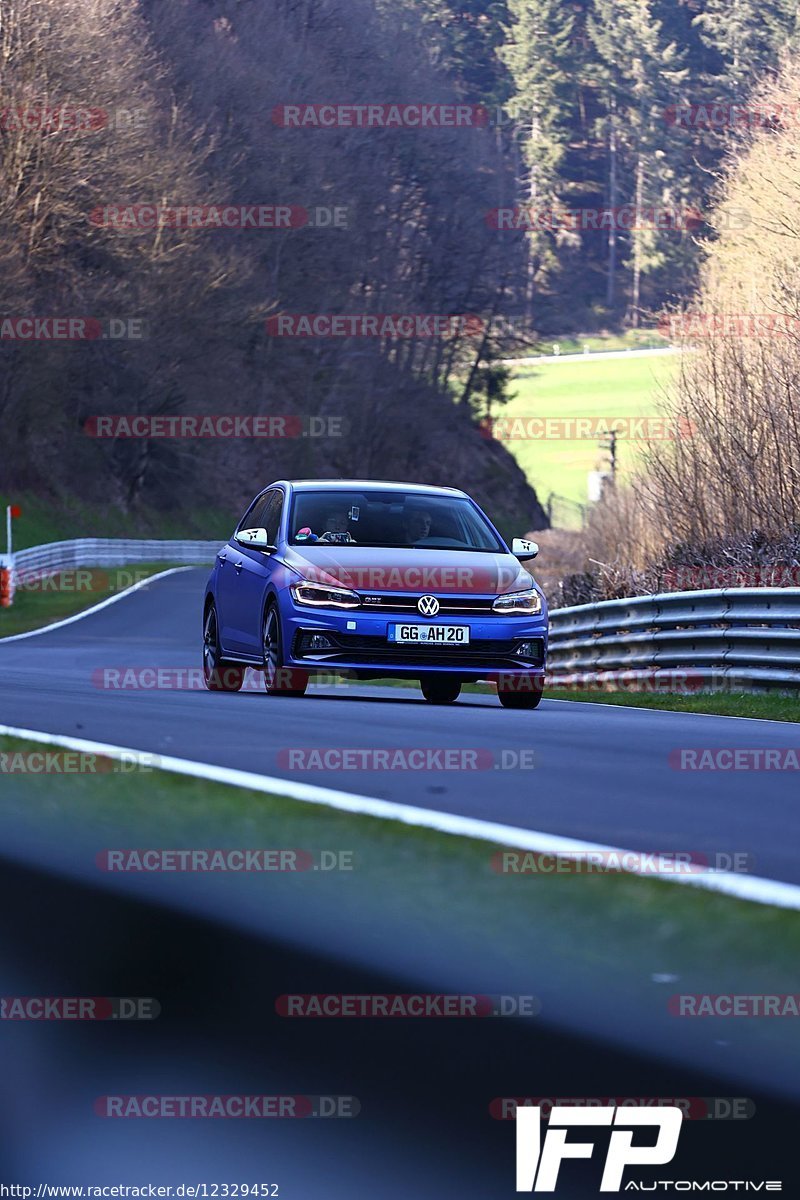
378,485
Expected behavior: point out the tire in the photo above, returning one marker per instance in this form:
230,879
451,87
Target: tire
218,675
515,698
278,679
440,690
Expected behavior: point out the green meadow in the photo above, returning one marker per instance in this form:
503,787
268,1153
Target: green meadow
610,388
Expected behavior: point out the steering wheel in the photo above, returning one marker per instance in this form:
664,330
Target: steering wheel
336,539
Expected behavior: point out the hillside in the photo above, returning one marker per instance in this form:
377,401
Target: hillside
181,97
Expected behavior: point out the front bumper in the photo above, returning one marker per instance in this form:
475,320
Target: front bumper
360,646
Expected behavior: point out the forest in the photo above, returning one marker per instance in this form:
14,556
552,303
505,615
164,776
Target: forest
593,107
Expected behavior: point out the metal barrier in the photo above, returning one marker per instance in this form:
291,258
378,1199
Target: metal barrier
732,637
111,552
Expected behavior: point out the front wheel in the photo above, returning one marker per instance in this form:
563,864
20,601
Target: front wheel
522,693
438,690
278,679
218,675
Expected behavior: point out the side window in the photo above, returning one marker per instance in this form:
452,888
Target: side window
271,518
256,516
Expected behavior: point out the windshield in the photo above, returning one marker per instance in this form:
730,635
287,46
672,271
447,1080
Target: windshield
402,519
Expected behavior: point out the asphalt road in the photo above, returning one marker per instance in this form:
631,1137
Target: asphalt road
600,773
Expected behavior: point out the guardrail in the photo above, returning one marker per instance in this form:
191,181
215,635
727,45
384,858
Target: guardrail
731,637
111,552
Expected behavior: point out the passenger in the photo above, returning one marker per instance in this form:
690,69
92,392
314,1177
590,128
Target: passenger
336,530
417,524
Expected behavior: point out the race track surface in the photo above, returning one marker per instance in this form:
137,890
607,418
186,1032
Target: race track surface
601,773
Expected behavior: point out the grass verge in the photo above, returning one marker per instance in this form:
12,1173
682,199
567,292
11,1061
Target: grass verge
606,941
762,706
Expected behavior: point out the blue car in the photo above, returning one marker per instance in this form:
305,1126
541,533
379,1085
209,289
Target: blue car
373,580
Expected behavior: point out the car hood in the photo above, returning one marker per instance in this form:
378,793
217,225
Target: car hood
442,572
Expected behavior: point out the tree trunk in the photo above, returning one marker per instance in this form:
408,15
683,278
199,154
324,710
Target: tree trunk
612,201
637,243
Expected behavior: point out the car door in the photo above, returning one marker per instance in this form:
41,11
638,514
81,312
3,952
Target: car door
243,578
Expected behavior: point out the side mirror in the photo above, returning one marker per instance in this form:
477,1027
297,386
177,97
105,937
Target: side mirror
522,549
256,539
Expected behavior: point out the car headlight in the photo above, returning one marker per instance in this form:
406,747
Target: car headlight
318,595
519,602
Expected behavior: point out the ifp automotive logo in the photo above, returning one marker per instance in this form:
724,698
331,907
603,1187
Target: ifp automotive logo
538,1165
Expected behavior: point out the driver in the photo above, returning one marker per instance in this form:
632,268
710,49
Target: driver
417,524
336,526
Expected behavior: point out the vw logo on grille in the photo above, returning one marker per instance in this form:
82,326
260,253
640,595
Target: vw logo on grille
428,606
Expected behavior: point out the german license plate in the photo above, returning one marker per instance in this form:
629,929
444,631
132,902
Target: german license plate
439,635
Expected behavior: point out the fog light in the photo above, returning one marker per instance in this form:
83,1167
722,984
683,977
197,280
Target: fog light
318,641
529,650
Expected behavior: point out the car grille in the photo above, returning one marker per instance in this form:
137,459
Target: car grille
458,604
368,650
